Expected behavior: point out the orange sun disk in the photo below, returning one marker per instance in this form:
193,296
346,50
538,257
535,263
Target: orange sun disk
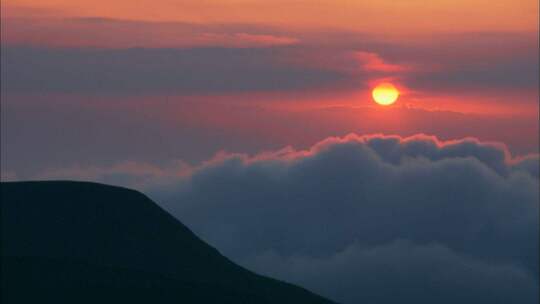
385,94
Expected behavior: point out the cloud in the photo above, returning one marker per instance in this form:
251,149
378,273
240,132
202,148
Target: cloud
529,163
402,272
135,57
374,219
373,62
99,32
247,39
156,130
514,74
458,63
137,71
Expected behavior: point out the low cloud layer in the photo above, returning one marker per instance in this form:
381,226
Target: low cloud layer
370,219
376,219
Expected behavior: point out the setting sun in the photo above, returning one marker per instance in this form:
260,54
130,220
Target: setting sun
385,94
268,175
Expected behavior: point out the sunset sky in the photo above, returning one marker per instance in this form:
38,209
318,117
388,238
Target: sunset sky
144,92
184,79
158,80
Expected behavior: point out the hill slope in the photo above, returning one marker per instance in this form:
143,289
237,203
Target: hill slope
85,242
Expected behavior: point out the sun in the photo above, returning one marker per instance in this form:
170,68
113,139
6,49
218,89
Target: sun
385,94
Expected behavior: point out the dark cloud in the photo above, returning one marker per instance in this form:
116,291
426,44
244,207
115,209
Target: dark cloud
470,62
47,31
139,71
375,219
403,272
516,74
214,58
528,164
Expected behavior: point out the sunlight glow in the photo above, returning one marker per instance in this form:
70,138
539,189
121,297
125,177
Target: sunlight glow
385,94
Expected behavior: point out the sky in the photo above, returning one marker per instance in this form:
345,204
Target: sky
266,106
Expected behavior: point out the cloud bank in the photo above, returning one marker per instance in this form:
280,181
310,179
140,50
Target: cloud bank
371,219
376,219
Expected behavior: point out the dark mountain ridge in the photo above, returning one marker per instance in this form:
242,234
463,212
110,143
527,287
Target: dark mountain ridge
86,242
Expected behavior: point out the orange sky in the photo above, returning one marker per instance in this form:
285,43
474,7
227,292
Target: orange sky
375,16
258,74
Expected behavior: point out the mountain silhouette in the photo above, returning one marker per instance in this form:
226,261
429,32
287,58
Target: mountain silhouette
84,242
